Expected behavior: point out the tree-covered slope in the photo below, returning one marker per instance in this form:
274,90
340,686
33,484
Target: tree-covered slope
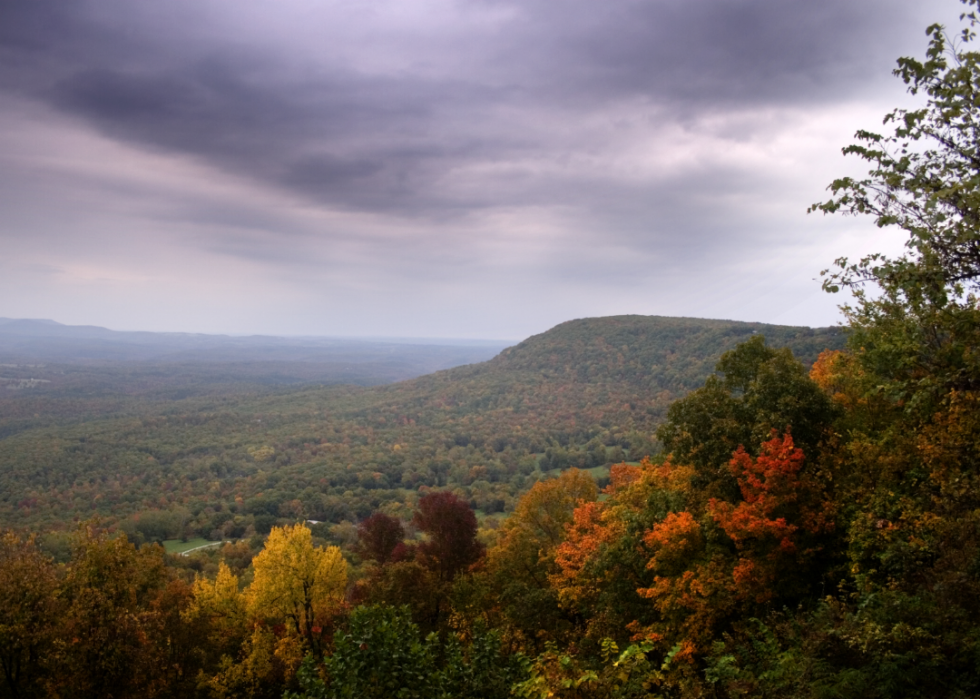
653,351
587,393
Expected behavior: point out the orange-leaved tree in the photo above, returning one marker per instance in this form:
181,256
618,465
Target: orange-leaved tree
776,527
522,560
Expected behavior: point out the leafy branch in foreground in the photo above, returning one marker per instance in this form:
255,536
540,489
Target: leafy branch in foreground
924,177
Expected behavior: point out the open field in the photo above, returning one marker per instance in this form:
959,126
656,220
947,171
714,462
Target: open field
176,546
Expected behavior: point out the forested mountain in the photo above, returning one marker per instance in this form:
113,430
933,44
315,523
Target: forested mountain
586,393
654,352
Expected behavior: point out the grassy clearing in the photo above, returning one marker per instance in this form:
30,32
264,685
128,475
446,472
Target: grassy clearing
178,546
596,472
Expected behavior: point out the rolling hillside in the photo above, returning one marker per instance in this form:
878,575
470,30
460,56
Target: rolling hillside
586,393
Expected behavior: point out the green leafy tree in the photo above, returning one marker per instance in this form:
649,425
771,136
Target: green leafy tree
760,389
629,674
383,655
918,334
925,175
905,458
522,560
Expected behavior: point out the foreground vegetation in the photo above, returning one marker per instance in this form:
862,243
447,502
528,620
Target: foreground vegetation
804,532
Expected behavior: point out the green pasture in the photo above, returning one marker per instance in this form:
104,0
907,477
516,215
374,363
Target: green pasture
176,546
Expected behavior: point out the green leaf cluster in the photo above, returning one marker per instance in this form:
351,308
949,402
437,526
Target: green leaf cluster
382,654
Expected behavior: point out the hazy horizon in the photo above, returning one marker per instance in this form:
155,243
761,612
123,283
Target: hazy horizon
365,338
392,339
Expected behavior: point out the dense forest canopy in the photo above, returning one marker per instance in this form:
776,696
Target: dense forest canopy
586,394
805,531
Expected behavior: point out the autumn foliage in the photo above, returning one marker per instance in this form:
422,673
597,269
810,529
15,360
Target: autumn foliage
378,536
451,527
803,533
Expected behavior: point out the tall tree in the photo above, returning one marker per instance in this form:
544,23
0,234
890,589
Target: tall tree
925,174
297,583
30,613
905,458
451,528
918,331
377,537
523,559
759,389
109,646
219,611
383,654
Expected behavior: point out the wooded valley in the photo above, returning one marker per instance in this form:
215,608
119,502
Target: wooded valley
586,394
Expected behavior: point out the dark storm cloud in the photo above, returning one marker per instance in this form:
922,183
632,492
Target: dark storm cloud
718,52
363,139
368,143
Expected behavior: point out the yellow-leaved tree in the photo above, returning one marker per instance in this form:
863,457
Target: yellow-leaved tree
297,584
218,609
296,589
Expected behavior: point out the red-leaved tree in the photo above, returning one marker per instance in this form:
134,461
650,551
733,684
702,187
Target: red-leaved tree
377,537
451,526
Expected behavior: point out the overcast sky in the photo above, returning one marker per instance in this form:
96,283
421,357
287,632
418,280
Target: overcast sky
434,168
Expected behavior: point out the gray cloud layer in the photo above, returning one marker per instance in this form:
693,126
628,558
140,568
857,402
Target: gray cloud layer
626,123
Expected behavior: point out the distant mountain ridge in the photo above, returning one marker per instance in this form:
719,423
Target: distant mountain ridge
53,341
86,358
